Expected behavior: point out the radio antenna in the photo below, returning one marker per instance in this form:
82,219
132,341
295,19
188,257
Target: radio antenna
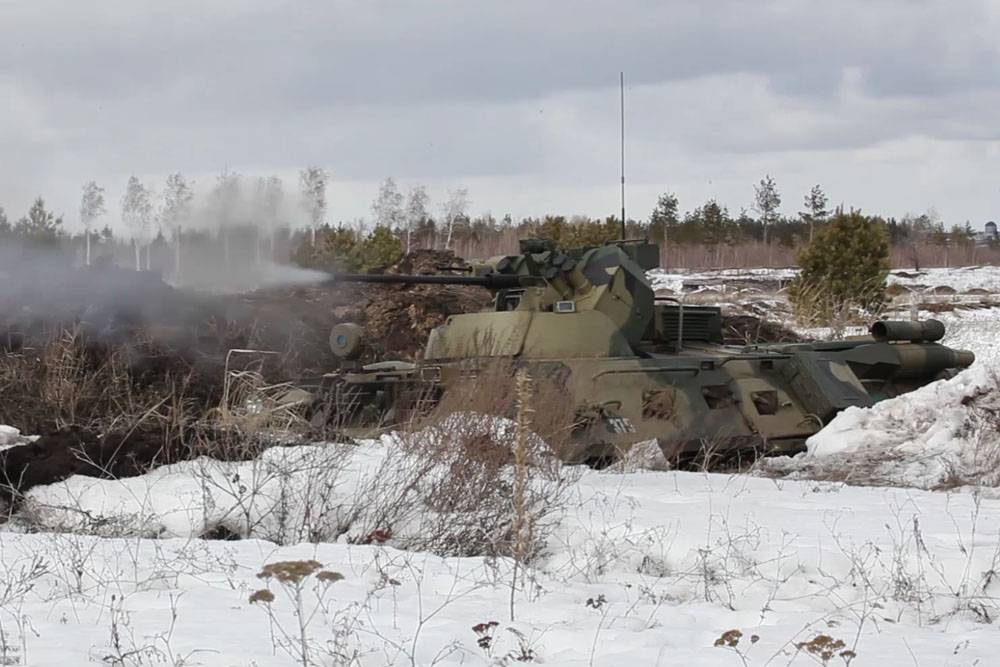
621,81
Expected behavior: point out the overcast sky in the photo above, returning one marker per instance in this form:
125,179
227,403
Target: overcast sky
892,106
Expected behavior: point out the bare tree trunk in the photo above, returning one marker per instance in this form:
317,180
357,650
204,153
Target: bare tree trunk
256,246
87,233
177,255
149,248
138,255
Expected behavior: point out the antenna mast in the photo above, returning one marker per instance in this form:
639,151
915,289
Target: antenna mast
622,85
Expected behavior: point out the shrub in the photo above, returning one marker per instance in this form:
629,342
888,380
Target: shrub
343,249
843,269
381,248
578,231
335,250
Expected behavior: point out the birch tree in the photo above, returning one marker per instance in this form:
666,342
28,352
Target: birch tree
766,203
224,199
416,212
91,208
137,214
269,195
176,210
312,183
455,209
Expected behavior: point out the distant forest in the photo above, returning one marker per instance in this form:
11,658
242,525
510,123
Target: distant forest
241,223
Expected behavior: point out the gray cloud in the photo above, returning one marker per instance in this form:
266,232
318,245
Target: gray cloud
514,98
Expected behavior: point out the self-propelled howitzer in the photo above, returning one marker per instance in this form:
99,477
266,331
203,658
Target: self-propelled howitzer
635,367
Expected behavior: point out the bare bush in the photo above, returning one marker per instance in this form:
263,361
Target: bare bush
496,482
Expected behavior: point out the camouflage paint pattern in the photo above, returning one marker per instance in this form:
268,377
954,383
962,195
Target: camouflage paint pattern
638,369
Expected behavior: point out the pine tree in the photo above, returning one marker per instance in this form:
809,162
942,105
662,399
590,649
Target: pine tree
332,250
664,218
379,249
766,203
39,226
717,226
843,269
6,229
554,228
815,212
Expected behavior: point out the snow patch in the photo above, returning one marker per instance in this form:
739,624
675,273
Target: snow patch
11,437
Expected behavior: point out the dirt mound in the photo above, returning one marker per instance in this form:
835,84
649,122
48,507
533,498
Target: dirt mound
76,451
399,318
428,262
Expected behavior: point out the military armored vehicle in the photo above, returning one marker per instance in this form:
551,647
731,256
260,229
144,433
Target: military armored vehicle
636,367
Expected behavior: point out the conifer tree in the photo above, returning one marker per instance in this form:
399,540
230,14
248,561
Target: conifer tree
766,203
843,269
664,218
815,211
40,226
379,249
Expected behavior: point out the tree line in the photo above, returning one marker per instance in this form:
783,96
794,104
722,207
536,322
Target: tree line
241,213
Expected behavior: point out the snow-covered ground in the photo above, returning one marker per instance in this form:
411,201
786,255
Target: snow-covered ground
643,568
960,279
637,567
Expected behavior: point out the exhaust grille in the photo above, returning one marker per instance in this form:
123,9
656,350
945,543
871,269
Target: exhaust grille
701,323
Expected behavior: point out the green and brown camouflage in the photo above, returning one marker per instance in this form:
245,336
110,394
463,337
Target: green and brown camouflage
636,368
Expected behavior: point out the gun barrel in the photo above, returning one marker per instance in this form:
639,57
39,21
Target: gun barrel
489,281
901,330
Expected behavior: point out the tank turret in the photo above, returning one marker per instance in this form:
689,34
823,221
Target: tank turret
589,302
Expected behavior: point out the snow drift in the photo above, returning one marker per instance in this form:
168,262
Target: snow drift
942,435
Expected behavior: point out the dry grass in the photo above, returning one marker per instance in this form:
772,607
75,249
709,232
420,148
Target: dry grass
814,305
69,382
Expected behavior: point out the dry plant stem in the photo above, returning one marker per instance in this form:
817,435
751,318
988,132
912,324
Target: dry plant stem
522,522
